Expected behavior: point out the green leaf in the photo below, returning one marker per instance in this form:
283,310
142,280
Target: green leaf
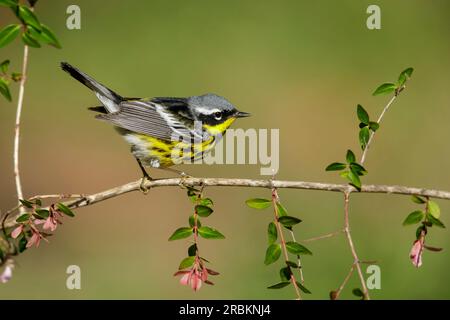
336,166
24,217
281,210
28,17
357,169
186,262
8,34
65,209
22,244
404,76
350,157
4,89
358,292
8,3
303,288
385,88
279,285
192,250
408,71
273,252
414,217
203,211
272,233
374,126
435,221
210,233
363,116
285,274
181,233
4,66
344,174
433,209
289,221
192,221
417,199
206,202
42,213
364,135
49,37
26,203
36,216
258,203
354,180
292,264
29,40
297,248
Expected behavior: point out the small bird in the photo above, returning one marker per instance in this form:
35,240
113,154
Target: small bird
154,126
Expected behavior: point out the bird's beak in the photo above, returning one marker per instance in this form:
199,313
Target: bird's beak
241,114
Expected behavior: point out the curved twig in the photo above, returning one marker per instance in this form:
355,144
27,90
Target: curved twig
253,183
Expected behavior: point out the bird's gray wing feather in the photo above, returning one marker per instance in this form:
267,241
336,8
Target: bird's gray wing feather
147,118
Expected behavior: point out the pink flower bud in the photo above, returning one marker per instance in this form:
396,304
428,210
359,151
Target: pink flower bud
416,252
17,231
196,282
34,240
7,272
185,279
50,224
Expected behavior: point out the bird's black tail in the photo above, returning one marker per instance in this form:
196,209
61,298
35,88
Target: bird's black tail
109,98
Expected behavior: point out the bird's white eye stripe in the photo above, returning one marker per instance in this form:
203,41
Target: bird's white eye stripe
206,111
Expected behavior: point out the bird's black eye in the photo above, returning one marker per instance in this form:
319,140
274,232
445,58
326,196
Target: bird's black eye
218,115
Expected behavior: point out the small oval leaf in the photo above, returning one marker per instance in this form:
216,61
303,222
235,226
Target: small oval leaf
258,203
8,34
186,262
362,114
336,166
289,221
385,88
414,217
203,211
65,209
24,217
350,157
272,233
210,233
181,233
297,248
433,209
273,252
279,285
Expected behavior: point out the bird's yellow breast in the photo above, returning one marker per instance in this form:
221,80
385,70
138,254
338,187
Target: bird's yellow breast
219,128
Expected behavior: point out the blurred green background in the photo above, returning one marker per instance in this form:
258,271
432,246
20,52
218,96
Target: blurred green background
299,66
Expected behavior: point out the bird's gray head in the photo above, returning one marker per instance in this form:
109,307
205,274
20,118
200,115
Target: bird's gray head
212,109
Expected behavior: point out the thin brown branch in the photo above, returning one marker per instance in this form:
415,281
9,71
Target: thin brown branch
344,283
325,236
23,79
252,183
283,242
366,149
299,260
356,261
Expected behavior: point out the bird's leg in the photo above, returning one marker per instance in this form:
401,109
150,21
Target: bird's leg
145,177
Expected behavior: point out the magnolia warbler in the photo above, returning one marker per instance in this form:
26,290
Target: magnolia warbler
149,125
